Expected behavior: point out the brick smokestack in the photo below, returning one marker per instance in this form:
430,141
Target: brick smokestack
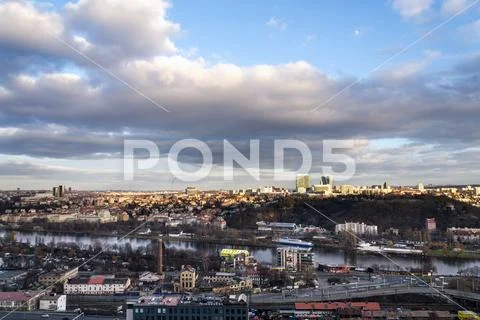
160,253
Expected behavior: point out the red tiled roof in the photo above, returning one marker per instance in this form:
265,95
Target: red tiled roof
96,280
18,296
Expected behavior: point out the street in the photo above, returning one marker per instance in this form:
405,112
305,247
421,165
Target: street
37,315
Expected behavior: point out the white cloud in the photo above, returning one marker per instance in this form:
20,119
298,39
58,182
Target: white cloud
410,69
128,27
412,8
276,23
450,7
23,26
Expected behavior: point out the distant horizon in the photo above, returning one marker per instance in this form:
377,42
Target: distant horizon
246,188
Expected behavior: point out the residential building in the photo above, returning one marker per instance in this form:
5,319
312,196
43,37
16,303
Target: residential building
57,276
219,277
430,224
10,276
55,302
19,300
356,228
97,285
241,285
325,189
276,226
464,235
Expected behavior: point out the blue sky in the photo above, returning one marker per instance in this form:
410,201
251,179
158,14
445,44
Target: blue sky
237,70
340,37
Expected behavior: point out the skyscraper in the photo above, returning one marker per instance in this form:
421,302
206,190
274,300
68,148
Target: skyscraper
55,191
61,191
326,180
303,183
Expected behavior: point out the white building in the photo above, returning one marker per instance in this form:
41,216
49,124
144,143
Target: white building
53,302
96,285
421,187
465,235
477,191
356,228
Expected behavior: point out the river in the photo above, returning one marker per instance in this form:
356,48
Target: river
444,266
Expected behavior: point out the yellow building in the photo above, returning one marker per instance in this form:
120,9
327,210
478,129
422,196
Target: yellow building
232,253
240,286
467,315
188,279
57,276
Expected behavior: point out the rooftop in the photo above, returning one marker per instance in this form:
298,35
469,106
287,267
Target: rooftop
174,300
96,280
9,274
51,297
19,296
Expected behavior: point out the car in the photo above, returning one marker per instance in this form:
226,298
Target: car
45,315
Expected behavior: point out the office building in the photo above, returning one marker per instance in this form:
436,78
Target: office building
295,259
326,180
58,191
421,187
61,191
177,307
303,183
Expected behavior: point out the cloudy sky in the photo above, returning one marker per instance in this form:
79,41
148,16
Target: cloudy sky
400,78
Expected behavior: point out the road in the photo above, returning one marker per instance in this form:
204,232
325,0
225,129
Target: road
349,292
37,315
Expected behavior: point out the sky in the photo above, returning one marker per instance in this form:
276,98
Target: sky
400,79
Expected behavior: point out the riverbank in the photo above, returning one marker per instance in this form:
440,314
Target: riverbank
260,243
234,242
453,254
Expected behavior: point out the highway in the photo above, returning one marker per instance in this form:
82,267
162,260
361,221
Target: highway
341,292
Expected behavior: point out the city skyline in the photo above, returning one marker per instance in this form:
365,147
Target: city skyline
399,78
